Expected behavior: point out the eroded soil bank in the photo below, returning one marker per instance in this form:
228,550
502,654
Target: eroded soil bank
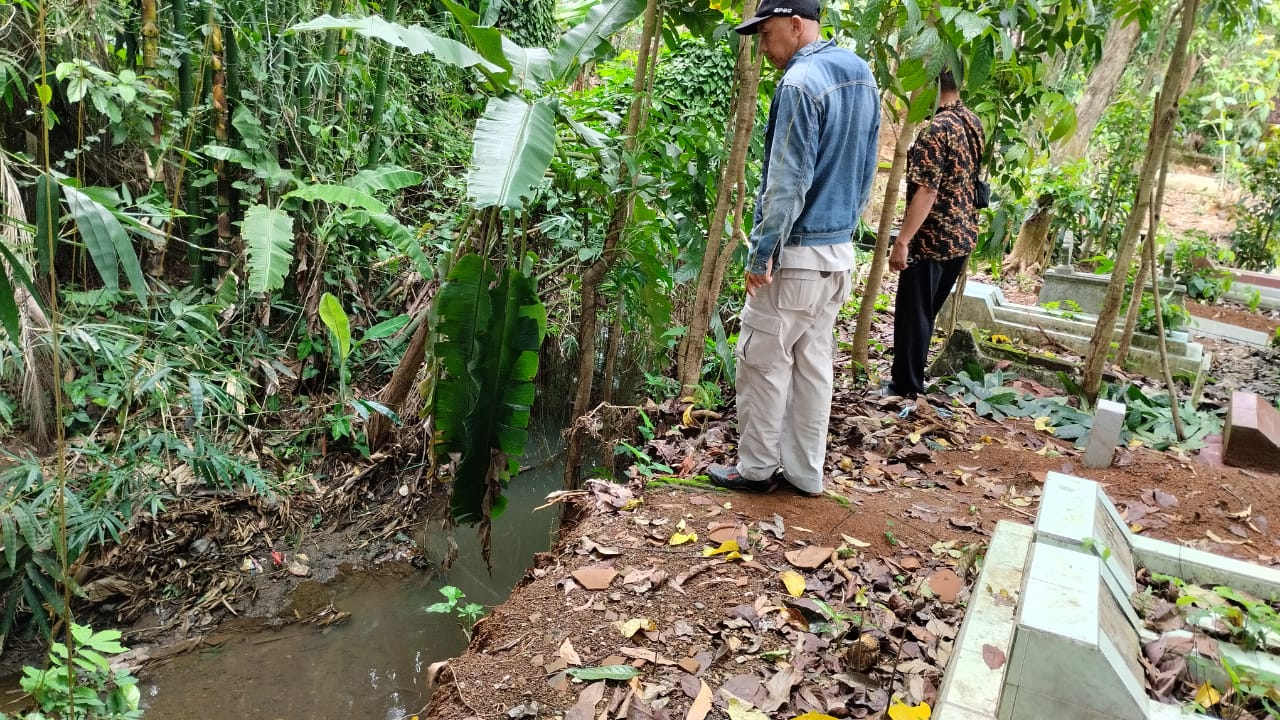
884,566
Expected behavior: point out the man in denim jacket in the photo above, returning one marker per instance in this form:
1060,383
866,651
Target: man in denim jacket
820,159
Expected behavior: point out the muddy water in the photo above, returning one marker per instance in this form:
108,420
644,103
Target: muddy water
371,666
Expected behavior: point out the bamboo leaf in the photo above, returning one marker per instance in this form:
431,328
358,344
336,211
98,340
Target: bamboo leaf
268,243
386,328
512,148
107,242
582,43
338,195
9,309
335,318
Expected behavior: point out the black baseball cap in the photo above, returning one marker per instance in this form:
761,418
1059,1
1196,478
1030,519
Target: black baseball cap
779,8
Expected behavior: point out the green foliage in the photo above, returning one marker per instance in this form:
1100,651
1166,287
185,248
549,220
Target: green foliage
1196,258
268,235
1148,418
467,614
1174,316
98,693
490,331
1256,238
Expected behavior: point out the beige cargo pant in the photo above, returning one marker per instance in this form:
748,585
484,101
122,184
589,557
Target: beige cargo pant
784,375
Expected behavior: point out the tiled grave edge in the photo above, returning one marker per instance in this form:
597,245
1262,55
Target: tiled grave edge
1076,516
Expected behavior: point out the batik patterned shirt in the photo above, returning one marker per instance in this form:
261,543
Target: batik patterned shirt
945,157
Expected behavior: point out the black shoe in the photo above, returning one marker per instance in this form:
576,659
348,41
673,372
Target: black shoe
728,477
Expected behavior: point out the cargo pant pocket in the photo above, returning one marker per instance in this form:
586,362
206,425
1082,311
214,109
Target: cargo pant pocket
803,290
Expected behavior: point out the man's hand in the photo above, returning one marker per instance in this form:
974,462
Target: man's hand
755,282
898,257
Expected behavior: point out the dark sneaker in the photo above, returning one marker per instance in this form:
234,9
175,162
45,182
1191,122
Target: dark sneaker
728,477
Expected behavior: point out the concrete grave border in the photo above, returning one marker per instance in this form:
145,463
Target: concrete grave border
1053,599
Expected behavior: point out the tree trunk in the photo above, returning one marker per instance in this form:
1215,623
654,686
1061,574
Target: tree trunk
1147,266
401,382
1122,38
621,214
1030,253
715,258
612,350
1161,128
867,309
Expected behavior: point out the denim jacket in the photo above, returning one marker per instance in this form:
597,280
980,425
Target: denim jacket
820,153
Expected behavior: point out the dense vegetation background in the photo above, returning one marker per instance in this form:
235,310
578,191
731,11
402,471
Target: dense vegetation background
250,245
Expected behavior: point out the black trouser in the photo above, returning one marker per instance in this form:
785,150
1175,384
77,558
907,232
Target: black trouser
922,288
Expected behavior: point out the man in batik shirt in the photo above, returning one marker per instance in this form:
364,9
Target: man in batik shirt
939,230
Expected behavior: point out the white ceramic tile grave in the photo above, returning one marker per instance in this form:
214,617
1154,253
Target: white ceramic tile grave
1069,634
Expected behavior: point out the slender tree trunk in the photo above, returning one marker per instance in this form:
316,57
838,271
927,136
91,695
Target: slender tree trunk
1156,302
1147,266
888,211
719,249
621,214
1161,128
611,353
219,54
1122,38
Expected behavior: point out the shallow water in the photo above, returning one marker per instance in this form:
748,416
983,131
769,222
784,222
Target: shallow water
372,665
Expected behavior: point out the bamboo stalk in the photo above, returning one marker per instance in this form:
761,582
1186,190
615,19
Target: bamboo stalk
385,56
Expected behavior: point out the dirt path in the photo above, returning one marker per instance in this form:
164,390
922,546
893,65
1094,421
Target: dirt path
886,564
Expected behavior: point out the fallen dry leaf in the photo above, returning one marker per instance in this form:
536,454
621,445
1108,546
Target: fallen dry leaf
680,538
568,654
945,584
740,709
811,715
701,704
1207,695
595,577
993,656
809,558
629,628
854,542
585,708
793,582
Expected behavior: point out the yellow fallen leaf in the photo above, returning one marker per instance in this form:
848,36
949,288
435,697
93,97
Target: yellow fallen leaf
943,442
811,715
687,419
854,542
727,546
633,503
1043,425
729,549
1207,695
739,709
1003,339
901,711
914,437
679,538
793,581
628,628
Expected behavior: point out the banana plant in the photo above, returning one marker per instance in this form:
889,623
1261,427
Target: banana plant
489,322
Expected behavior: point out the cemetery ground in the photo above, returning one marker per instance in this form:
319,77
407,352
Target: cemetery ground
723,602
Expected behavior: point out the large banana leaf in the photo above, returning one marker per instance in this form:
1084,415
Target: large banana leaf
416,39
490,332
339,195
107,242
512,148
268,242
583,43
385,178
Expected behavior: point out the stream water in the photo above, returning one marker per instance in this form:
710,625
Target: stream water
372,665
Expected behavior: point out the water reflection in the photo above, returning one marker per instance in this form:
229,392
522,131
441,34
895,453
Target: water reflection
372,665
